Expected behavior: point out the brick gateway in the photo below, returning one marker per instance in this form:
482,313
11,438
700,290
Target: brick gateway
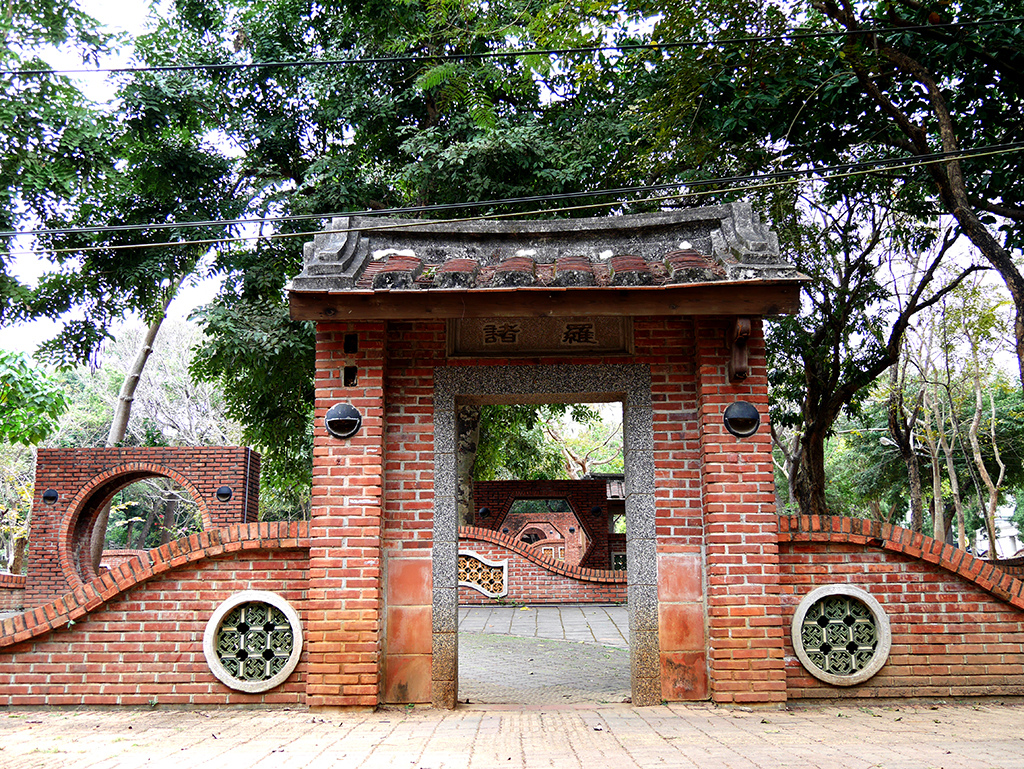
660,313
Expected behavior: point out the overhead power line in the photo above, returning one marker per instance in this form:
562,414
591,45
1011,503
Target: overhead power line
793,35
761,182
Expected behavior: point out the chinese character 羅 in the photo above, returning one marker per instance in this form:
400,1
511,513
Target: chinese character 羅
579,333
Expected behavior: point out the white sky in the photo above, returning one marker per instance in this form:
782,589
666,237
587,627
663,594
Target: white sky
117,15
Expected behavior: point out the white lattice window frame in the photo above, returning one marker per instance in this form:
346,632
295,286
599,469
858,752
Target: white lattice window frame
503,565
882,627
210,640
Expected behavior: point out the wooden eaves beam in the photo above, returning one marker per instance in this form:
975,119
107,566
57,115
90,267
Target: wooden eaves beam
762,298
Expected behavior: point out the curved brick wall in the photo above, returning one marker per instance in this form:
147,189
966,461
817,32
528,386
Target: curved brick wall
134,635
534,578
85,479
957,622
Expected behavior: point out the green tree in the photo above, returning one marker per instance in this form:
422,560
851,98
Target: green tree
851,326
416,121
51,142
894,78
30,401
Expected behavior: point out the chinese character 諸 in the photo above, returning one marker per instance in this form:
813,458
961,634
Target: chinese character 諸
579,333
504,333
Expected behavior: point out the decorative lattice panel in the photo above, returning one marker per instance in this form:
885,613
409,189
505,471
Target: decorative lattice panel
839,635
489,578
254,642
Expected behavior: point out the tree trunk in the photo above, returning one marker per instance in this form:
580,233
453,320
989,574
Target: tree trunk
979,461
954,482
810,476
931,438
468,438
901,429
171,503
119,424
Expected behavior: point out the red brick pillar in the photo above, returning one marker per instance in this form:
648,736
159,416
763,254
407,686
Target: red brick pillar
745,646
344,599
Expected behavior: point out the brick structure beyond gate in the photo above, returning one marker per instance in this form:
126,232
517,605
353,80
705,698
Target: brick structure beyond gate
84,480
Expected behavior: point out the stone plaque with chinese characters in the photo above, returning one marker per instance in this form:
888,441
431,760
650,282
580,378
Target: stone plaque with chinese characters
502,337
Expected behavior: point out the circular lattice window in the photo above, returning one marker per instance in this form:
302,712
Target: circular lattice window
841,635
253,641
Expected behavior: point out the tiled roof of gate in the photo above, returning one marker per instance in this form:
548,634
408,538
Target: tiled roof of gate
712,244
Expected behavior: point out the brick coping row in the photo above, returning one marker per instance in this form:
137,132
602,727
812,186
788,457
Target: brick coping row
292,535
862,531
16,581
558,567
286,535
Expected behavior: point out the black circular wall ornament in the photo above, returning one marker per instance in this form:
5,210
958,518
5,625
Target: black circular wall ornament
224,494
50,496
343,420
741,419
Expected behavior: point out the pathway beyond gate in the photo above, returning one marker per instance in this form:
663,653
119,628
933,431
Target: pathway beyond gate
544,655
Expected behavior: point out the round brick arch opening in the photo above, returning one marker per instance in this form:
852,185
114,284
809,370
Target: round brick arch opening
79,524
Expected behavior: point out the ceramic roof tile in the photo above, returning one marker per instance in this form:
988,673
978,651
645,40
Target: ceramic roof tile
694,246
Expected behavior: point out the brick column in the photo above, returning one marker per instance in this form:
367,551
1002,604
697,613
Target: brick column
344,599
745,646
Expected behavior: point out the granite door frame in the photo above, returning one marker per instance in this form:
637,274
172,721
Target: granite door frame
628,383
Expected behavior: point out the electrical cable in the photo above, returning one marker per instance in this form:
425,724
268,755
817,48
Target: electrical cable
858,171
622,48
880,163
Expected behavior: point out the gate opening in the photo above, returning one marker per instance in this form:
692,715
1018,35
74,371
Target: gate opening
548,481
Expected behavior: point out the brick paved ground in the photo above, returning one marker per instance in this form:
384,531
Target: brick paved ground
543,731
982,736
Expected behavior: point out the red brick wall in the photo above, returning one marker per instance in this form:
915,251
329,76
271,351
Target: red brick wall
133,636
85,479
345,598
12,591
745,641
669,346
957,622
949,637
414,349
532,578
146,646
582,497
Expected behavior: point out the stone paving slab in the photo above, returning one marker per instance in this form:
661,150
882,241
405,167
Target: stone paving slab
499,669
903,736
606,625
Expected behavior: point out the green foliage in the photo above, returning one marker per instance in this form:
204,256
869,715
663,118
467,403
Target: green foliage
30,401
263,361
866,471
16,474
514,446
148,513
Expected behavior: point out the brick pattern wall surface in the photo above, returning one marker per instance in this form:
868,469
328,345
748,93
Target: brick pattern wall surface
85,479
949,637
145,646
745,643
582,496
668,345
414,349
957,622
345,599
12,592
533,578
